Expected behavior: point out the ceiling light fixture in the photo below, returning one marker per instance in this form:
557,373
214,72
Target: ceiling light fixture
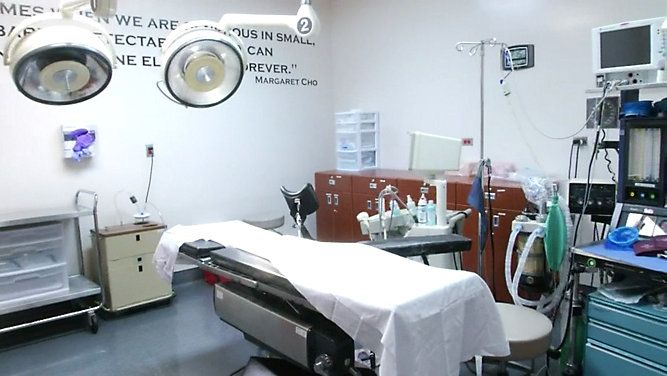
203,61
67,59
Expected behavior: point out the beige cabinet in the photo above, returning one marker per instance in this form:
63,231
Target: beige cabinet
127,269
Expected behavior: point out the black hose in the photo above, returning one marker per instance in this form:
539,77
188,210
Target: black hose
493,245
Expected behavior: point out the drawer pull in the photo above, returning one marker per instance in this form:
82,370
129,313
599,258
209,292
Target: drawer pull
328,198
496,220
137,237
335,200
141,268
424,190
369,204
332,182
372,185
490,196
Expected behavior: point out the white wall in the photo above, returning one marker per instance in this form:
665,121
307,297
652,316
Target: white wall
212,164
398,57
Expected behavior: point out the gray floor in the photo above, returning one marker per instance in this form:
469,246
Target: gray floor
184,338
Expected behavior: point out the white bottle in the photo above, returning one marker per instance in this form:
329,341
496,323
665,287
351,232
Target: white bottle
412,207
421,210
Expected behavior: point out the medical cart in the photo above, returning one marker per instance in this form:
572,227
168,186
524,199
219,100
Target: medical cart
39,270
126,268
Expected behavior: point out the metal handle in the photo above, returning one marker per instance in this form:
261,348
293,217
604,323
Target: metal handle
328,198
369,204
322,364
424,190
491,196
336,200
372,185
332,182
496,221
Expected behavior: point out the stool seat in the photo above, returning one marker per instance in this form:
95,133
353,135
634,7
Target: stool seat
266,222
528,331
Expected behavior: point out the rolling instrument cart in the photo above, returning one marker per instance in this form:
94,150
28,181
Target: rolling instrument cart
39,271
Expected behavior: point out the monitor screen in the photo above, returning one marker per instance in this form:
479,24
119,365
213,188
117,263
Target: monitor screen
649,226
627,47
433,155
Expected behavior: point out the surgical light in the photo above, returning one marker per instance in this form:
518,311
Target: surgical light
203,61
67,59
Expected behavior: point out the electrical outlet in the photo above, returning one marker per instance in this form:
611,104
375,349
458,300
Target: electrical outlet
150,151
581,141
467,142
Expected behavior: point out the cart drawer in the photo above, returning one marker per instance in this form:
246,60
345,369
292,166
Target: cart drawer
52,248
18,236
603,361
632,344
631,321
25,283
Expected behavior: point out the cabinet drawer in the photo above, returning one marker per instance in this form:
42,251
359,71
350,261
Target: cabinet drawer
641,347
333,182
133,280
502,197
600,360
616,317
128,245
415,188
370,185
507,198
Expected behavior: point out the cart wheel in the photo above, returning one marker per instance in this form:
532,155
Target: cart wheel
93,324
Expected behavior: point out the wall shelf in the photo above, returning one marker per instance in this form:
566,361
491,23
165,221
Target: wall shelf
658,85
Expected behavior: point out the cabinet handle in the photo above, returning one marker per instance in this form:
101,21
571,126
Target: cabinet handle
491,196
137,238
424,190
496,220
328,198
335,200
369,204
332,182
372,185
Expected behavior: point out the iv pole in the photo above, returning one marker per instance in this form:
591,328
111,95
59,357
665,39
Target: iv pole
474,48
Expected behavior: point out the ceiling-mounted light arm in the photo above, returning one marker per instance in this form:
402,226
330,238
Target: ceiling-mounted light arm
305,23
203,62
101,8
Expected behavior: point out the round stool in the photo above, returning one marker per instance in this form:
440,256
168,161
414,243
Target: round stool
266,222
528,333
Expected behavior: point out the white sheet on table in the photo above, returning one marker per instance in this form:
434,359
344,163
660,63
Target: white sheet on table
420,320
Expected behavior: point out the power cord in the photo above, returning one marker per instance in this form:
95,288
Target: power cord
150,180
576,163
607,159
569,167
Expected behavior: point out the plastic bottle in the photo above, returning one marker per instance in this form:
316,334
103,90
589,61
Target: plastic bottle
412,207
395,210
421,210
430,213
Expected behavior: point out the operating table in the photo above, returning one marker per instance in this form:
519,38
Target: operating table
258,300
311,302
